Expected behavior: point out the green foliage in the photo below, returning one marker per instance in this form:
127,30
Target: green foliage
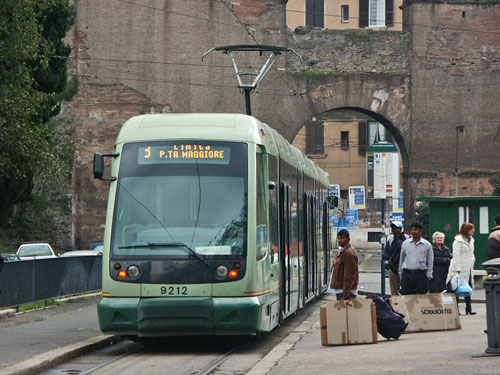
422,216
34,221
32,74
495,182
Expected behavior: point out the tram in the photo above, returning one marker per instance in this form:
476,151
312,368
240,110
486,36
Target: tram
215,225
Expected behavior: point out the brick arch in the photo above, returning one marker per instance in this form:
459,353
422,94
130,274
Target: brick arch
383,97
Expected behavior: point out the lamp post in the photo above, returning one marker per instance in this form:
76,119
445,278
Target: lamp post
459,130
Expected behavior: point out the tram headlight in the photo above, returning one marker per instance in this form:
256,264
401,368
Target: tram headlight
221,271
133,271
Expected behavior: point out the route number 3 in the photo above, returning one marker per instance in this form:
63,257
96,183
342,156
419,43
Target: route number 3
174,291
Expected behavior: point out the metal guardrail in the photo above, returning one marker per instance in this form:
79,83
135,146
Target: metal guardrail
27,281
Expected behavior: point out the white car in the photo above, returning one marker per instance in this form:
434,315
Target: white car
39,250
80,253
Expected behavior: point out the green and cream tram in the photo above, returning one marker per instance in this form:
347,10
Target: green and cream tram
215,225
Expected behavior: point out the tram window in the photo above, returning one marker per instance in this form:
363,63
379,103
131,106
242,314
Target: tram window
273,214
262,235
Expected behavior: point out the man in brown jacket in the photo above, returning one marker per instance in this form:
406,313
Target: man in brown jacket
345,269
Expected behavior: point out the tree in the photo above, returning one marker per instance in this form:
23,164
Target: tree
495,182
31,34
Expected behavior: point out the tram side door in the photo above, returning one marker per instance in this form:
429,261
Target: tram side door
305,244
312,242
285,253
326,233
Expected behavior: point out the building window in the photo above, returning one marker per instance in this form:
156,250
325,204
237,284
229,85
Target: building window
315,144
344,11
374,236
376,9
344,140
374,13
315,10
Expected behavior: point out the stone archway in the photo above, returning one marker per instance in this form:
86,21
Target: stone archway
346,163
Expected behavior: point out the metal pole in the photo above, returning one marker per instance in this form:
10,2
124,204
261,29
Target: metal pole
247,100
382,268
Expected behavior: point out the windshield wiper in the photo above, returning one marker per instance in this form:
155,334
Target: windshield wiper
169,244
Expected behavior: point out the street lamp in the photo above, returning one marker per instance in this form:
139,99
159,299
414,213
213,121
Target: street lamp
459,129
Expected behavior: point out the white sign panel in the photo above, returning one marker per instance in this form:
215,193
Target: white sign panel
392,170
379,175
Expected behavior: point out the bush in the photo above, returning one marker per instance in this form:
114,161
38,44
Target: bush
34,222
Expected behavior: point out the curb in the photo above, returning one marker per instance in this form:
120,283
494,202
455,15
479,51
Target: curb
7,313
58,356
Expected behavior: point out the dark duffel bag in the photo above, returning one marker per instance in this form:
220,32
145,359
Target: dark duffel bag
390,323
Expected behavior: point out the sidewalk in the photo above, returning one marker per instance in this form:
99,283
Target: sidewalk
370,279
44,338
433,353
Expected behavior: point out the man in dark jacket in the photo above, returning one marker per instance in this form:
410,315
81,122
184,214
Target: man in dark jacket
392,251
345,275
493,249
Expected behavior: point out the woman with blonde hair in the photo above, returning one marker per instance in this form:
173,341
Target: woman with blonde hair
463,260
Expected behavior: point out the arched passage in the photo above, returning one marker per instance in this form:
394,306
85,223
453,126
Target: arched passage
336,142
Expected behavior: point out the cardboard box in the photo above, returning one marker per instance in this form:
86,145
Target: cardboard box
353,323
428,312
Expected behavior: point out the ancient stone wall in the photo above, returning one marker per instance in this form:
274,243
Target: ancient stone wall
144,56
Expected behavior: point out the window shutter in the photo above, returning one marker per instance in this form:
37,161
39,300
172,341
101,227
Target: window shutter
363,13
319,10
315,138
362,137
309,12
389,13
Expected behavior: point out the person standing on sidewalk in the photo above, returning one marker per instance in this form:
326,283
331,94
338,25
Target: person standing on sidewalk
442,258
463,260
415,263
391,255
493,249
345,273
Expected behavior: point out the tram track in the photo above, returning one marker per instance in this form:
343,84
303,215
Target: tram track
94,363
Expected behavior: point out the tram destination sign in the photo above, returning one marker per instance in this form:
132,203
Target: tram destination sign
184,152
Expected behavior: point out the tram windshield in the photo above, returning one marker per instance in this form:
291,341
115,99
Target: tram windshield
181,199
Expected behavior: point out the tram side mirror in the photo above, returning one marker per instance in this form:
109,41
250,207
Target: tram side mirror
333,201
271,185
99,166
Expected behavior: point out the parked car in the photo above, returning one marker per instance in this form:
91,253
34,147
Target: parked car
80,253
99,246
9,257
40,250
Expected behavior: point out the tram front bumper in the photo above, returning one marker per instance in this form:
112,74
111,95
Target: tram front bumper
153,317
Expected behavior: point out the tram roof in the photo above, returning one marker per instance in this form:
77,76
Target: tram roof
221,127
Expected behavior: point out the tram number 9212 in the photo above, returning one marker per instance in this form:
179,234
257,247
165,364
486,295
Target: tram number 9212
174,290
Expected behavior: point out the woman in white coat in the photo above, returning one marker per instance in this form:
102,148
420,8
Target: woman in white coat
463,260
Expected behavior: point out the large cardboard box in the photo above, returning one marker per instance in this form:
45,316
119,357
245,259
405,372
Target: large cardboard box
352,323
428,312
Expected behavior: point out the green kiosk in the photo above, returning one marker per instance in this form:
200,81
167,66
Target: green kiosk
446,214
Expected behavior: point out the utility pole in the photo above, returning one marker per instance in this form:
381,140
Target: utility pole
459,130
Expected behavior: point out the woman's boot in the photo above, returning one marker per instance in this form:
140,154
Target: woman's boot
468,307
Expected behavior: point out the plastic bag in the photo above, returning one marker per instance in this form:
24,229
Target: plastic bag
460,287
463,290
456,281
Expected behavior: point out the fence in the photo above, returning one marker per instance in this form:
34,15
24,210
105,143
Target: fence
28,281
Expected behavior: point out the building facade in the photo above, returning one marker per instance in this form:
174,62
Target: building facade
345,14
439,75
